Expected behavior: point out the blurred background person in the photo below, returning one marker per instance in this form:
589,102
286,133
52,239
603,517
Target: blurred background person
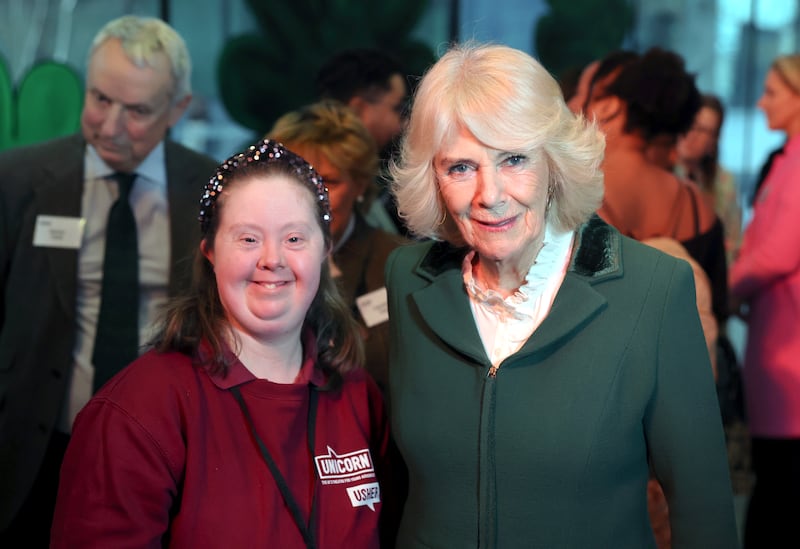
541,363
765,288
332,138
373,84
113,241
646,98
698,160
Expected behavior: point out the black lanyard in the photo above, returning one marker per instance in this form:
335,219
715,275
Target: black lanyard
306,529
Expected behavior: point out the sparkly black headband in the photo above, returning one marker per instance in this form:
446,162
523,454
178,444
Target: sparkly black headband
267,152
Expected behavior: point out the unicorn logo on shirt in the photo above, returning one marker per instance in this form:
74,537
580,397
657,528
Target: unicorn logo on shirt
332,466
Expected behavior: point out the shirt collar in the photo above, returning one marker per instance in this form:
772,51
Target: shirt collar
549,263
152,167
238,374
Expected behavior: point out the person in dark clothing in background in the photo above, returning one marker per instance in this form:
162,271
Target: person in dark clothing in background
373,84
72,313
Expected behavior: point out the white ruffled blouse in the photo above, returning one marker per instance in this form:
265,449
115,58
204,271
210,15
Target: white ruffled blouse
506,324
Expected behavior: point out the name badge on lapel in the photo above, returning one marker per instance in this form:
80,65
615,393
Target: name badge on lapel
373,307
58,231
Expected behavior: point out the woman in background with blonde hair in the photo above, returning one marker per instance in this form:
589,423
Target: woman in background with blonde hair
333,139
765,285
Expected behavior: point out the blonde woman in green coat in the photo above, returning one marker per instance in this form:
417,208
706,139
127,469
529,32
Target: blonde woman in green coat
541,364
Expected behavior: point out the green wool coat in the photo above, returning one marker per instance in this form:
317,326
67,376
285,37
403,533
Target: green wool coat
556,450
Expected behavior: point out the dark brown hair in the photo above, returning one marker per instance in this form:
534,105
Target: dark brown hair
710,162
197,315
660,95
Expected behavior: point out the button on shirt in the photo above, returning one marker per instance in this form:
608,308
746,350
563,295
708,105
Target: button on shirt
151,209
505,324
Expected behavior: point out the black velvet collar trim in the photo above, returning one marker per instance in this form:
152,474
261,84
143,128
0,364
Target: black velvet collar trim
597,252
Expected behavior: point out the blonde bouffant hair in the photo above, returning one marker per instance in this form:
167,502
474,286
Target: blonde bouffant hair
509,102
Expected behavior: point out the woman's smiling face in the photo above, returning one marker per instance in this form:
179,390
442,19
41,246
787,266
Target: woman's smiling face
267,256
497,198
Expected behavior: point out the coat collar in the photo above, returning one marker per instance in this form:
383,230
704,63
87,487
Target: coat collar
444,304
352,258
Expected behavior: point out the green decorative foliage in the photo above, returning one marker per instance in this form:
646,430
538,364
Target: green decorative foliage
46,105
576,32
49,103
265,74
